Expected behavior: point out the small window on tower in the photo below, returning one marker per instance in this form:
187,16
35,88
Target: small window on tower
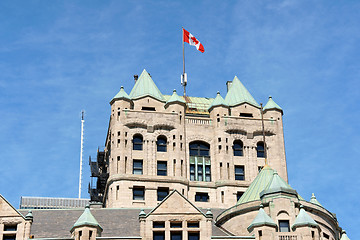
148,108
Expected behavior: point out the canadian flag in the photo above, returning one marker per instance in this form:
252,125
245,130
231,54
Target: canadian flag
190,39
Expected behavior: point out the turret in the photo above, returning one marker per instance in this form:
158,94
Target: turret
218,108
86,227
272,110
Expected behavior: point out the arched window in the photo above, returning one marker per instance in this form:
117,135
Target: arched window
238,148
161,144
260,150
137,142
200,165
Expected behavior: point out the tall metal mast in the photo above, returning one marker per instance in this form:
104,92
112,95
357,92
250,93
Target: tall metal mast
81,150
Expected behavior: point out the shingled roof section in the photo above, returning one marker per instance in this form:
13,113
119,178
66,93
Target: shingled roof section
116,222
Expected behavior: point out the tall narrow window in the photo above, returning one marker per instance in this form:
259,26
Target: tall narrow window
200,165
162,168
161,144
238,148
239,173
138,167
260,150
137,142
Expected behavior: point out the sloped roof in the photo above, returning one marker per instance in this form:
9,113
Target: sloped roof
277,184
314,200
86,219
121,95
145,86
238,94
8,209
271,104
261,219
344,236
257,186
175,98
218,101
304,219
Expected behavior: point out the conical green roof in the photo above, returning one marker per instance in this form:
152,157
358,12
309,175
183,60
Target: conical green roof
271,105
277,184
344,236
303,219
218,101
257,186
121,95
238,94
314,200
175,98
145,86
261,219
86,219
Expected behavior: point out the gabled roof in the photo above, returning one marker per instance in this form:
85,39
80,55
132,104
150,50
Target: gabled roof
238,94
257,186
86,219
174,209
344,236
8,209
276,185
145,86
272,105
218,101
261,219
175,99
303,219
314,200
121,95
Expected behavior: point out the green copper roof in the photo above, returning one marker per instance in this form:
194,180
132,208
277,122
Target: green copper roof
314,200
261,219
218,101
277,184
271,105
175,98
86,219
304,219
145,86
257,186
344,236
238,94
121,94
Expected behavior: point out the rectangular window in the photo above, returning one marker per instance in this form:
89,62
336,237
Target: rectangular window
246,115
176,235
162,193
201,197
138,193
158,224
193,224
158,235
193,235
192,172
238,195
162,168
284,226
148,109
200,169
12,227
176,224
239,173
9,237
138,167
326,236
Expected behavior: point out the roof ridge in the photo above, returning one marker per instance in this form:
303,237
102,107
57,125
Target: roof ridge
145,86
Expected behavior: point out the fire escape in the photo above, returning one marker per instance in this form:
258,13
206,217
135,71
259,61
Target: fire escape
99,176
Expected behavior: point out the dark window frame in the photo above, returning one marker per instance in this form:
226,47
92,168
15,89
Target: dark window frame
139,193
161,168
238,148
162,193
161,144
137,142
260,150
284,224
138,169
202,197
239,172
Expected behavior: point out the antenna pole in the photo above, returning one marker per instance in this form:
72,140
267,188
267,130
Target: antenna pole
263,132
183,76
81,150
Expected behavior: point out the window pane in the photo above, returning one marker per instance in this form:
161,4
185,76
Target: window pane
176,235
9,237
162,193
158,224
161,168
138,167
138,193
239,173
284,226
193,224
193,236
158,235
10,227
176,224
201,197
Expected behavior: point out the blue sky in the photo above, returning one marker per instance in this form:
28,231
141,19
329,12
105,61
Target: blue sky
59,57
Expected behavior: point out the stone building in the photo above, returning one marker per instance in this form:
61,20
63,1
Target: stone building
189,168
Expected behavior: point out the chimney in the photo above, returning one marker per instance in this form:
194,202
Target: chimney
228,85
136,78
